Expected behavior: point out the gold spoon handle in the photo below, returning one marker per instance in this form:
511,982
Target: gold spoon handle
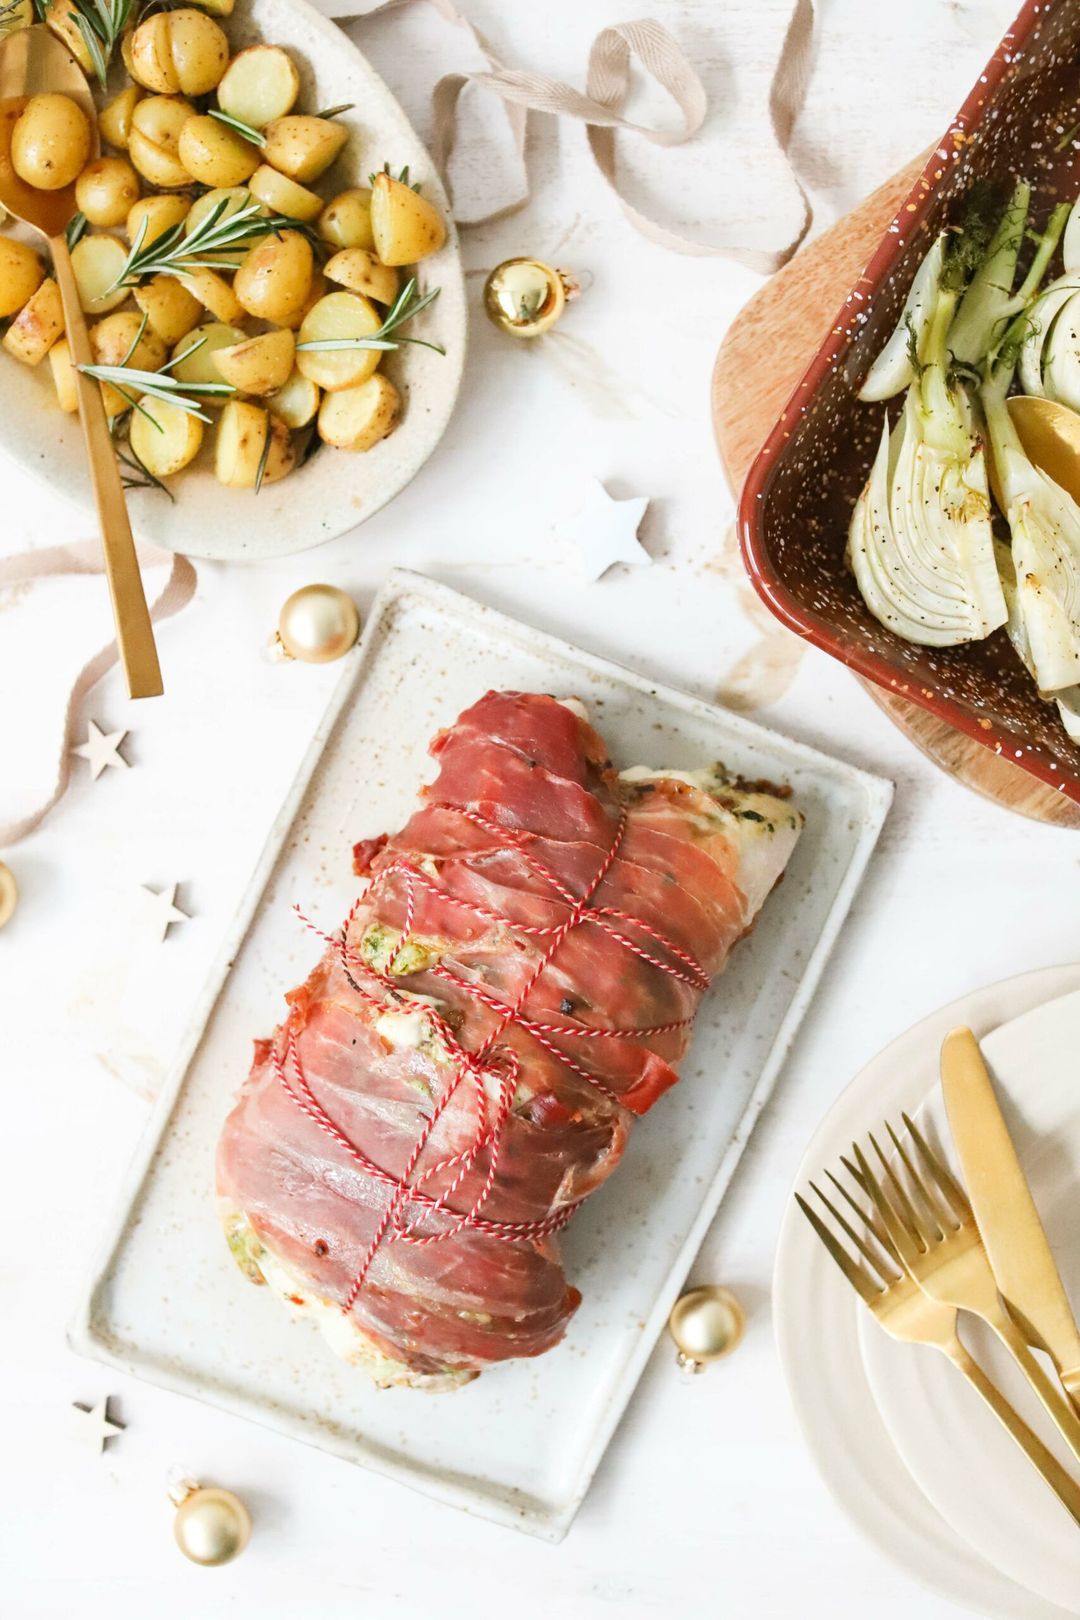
134,633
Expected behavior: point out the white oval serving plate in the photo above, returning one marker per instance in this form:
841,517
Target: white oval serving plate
336,489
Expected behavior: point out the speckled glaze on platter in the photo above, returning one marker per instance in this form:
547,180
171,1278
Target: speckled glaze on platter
797,500
336,490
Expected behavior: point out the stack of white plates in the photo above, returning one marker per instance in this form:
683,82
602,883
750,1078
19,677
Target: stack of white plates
907,1448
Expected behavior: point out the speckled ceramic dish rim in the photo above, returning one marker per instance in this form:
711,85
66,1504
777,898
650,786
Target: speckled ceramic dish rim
913,210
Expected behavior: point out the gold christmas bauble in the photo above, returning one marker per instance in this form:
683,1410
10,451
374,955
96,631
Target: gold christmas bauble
318,624
9,894
212,1526
525,297
706,1324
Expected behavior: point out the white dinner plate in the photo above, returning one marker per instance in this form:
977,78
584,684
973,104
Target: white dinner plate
954,1448
336,489
521,1443
816,1318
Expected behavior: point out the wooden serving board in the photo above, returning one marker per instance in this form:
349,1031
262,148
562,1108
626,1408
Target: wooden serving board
766,351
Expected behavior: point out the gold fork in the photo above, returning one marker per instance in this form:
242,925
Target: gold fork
939,1244
906,1313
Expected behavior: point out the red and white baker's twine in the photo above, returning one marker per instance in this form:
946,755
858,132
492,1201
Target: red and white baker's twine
489,1062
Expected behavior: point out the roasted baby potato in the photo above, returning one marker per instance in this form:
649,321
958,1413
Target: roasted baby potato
166,438
107,190
154,139
37,326
50,142
181,51
98,261
21,274
274,281
346,221
160,214
114,119
284,196
170,309
260,365
61,17
405,226
241,439
357,418
339,315
362,272
296,402
200,365
63,376
116,341
214,294
259,85
214,154
301,146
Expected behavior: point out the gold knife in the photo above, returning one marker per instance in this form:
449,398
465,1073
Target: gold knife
1008,1221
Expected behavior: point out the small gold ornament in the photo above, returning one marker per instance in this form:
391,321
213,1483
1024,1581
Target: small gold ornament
706,1324
317,624
9,894
525,297
212,1526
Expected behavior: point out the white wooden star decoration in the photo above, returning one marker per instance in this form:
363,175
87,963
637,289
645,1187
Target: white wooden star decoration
605,530
160,909
94,1425
101,749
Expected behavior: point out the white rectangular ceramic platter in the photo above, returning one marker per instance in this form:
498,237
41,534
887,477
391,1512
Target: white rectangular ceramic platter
520,1444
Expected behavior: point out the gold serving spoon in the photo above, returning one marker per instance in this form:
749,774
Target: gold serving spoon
33,61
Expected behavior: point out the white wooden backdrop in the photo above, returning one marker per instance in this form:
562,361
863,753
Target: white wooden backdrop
707,1501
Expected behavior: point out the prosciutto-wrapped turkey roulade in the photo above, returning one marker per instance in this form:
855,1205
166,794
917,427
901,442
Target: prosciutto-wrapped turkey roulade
513,988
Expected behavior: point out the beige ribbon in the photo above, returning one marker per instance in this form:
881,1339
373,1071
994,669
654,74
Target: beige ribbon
607,84
86,557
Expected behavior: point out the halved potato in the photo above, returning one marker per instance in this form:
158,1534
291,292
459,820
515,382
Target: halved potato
302,146
115,341
37,326
61,17
160,214
63,376
281,456
167,447
274,281
284,196
338,316
97,262
406,227
214,293
21,274
362,272
220,8
241,439
183,50
170,309
214,154
261,365
296,402
157,123
107,190
234,198
114,119
201,367
259,85
357,418
318,289
345,222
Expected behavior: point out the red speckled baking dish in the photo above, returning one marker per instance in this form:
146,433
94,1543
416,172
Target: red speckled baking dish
797,501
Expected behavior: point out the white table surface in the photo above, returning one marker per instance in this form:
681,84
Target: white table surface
707,1501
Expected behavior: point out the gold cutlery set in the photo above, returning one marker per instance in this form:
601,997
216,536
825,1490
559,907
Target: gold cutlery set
925,1250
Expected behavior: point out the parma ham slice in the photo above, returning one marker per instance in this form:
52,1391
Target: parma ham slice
514,987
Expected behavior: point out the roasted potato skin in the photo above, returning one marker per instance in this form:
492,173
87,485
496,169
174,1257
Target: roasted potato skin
362,272
214,154
111,341
21,274
63,376
179,52
161,214
260,365
357,418
60,18
345,222
274,281
405,226
157,123
37,326
296,402
170,309
169,446
302,146
284,196
114,119
50,142
107,190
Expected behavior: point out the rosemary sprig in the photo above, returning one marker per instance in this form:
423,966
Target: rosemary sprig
101,23
414,185
173,254
76,227
327,112
389,336
255,136
159,385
